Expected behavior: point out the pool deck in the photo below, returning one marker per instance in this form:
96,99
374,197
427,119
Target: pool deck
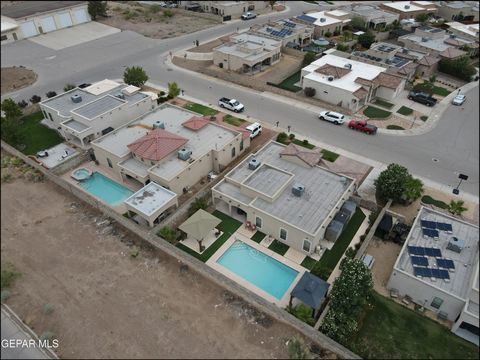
207,241
283,302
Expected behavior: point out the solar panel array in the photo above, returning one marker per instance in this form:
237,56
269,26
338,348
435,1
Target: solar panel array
431,272
290,24
445,263
307,18
430,232
282,33
423,251
419,260
386,48
436,225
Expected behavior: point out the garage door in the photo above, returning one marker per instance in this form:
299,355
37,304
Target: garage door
48,24
65,20
81,16
28,29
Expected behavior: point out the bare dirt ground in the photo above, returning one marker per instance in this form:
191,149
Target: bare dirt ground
157,25
14,78
109,304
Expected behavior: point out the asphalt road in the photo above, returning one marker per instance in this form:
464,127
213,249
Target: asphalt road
450,148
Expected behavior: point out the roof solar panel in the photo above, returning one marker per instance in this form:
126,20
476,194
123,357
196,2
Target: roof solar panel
433,252
419,260
307,18
430,272
446,264
444,227
428,224
430,232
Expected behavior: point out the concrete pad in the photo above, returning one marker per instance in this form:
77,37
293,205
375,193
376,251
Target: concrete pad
57,155
75,35
295,255
207,241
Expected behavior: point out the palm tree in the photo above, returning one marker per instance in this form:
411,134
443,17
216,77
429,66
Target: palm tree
413,190
456,207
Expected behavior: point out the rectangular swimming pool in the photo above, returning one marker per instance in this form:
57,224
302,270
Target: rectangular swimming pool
258,268
106,189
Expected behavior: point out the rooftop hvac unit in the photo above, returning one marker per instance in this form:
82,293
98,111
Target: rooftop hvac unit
323,19
453,36
184,154
330,78
298,189
407,6
158,125
405,51
424,39
76,98
456,244
120,95
253,164
348,66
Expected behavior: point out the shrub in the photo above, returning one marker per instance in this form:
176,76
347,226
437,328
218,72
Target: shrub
282,137
305,142
97,8
8,276
298,350
69,87
51,94
23,104
291,136
134,251
308,58
343,47
168,13
162,93
309,92
460,67
424,117
426,199
302,312
173,90
328,34
366,39
135,75
197,204
394,127
456,207
336,33
168,234
35,99
47,309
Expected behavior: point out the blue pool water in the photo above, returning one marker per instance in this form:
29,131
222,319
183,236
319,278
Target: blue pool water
108,190
258,268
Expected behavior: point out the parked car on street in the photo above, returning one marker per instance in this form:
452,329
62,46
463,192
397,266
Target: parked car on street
254,129
231,104
422,98
361,125
249,16
459,100
333,117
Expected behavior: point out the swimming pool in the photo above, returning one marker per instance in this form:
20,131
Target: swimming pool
108,190
258,268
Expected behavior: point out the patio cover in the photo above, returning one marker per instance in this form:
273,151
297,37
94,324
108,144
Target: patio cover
310,290
199,224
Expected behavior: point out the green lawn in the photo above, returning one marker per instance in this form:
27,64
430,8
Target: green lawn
391,331
258,236
308,263
383,103
278,247
431,89
228,226
405,111
201,109
288,83
431,201
232,120
36,136
302,143
324,267
394,127
375,113
329,155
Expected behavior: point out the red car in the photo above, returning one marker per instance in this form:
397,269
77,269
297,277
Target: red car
361,125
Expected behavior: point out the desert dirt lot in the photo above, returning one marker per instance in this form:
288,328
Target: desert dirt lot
141,19
14,78
107,303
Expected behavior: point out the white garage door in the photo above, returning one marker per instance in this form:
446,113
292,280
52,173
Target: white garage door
65,20
28,29
81,16
48,24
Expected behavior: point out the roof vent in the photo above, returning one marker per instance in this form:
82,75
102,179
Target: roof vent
348,66
184,154
330,78
120,96
158,125
323,19
424,39
456,244
298,189
253,164
76,98
407,6
453,36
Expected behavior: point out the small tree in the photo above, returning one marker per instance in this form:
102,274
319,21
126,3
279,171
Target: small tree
168,234
51,94
97,8
35,99
23,104
11,109
413,189
432,79
8,131
173,90
347,35
168,13
328,34
302,312
135,76
460,68
366,39
342,47
390,184
197,204
308,58
357,23
421,18
309,92
456,207
69,87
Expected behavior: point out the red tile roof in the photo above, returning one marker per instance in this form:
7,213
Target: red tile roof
360,93
332,70
310,157
157,144
452,53
195,123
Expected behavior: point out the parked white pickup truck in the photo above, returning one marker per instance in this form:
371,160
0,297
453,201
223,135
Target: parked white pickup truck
231,104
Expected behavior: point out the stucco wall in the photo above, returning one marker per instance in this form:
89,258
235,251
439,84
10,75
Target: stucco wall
331,94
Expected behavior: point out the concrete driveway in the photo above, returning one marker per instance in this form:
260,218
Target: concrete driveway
76,35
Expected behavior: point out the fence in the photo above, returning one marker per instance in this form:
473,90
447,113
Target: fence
196,265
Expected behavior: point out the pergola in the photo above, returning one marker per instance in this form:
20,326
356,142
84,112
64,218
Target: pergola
199,225
310,290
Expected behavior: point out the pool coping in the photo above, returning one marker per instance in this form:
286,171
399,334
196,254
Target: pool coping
283,302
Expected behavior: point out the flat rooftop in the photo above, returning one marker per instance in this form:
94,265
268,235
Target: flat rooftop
150,198
28,8
405,6
281,28
323,189
268,180
372,12
471,29
346,82
327,20
98,107
465,262
76,125
431,43
258,45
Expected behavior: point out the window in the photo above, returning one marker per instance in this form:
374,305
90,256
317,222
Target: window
283,234
436,303
258,222
233,152
306,245
109,162
50,116
241,145
4,37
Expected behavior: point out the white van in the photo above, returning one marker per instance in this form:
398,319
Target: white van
254,129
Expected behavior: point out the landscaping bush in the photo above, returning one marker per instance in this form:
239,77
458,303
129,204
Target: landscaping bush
308,58
394,127
23,104
366,39
424,117
173,90
291,136
197,204
456,207
282,137
336,33
135,76
8,276
426,199
375,113
168,13
161,93
343,47
51,94
329,155
97,8
168,234
35,99
309,92
460,68
303,313
69,87
328,34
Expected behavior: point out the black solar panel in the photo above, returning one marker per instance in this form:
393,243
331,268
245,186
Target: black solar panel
422,251
419,260
430,272
290,24
444,227
307,18
446,264
433,252
430,233
428,224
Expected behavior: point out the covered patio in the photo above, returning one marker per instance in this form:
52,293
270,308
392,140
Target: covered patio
201,231
311,291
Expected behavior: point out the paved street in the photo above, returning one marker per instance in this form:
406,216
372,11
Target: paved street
450,148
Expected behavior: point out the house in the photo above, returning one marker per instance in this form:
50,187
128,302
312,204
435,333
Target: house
470,32
428,65
228,9
459,10
23,20
82,115
410,9
438,269
374,17
247,53
170,146
284,192
349,83
288,32
325,21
